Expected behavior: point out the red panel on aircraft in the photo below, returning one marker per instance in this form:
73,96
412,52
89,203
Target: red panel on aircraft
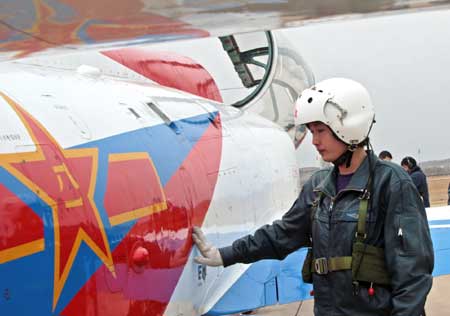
64,22
167,237
20,227
169,69
133,178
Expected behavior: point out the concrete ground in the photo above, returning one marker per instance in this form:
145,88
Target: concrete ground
438,303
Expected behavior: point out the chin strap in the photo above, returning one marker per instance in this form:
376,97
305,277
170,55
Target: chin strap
347,156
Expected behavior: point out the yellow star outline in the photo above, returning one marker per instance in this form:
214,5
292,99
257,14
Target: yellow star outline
7,161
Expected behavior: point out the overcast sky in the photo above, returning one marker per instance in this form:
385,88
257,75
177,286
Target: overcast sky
404,61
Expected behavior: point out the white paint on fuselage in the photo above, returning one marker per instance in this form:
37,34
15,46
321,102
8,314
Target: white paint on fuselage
257,183
92,109
440,213
14,137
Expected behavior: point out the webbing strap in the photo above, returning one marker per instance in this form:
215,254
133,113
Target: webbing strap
325,265
361,230
315,205
340,263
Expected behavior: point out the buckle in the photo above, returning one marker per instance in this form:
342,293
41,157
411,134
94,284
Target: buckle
365,195
321,266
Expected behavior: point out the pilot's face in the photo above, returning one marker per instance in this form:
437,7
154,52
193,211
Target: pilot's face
326,144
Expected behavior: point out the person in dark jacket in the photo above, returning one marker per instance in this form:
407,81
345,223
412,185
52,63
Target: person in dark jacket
448,194
370,250
385,155
418,177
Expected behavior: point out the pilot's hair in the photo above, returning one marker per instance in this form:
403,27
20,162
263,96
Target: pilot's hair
384,154
409,161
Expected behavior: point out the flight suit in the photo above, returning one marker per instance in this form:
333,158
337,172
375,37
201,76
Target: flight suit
396,222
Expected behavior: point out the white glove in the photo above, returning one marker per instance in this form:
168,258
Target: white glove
210,255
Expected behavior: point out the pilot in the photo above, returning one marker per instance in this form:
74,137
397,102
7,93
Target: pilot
363,221
418,177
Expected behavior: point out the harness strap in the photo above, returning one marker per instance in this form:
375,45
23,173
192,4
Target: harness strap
325,265
315,205
361,230
366,262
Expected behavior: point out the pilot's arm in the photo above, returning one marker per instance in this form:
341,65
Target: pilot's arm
409,250
273,241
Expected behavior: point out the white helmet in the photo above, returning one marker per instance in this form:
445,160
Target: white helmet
342,104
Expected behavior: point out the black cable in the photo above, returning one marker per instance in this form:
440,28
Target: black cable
298,309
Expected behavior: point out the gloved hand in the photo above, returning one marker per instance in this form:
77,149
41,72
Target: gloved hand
210,255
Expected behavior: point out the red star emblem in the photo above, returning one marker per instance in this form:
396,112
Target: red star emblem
65,180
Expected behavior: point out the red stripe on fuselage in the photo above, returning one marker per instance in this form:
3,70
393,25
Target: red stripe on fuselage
170,70
167,237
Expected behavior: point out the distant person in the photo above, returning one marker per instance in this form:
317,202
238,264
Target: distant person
385,155
448,194
420,180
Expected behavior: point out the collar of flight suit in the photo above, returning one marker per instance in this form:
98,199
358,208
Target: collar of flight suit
358,182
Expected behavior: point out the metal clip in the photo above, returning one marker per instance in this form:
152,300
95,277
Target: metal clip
358,235
365,195
321,265
355,285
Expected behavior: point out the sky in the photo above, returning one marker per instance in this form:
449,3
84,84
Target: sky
404,62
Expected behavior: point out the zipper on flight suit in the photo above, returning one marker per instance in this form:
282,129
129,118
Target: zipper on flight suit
330,212
333,199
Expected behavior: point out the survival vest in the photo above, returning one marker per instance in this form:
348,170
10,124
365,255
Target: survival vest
366,262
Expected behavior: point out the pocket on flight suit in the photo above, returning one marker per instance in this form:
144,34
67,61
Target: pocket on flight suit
345,224
407,232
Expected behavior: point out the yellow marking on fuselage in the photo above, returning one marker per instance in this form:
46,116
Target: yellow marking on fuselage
129,156
146,210
59,168
74,203
60,182
138,213
22,250
63,169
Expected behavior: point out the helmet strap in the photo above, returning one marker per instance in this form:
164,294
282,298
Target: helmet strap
346,157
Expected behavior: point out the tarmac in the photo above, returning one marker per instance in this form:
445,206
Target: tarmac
438,303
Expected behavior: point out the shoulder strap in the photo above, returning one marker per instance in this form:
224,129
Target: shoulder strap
361,230
365,199
315,205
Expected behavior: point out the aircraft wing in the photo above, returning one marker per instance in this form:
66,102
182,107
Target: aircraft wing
31,26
